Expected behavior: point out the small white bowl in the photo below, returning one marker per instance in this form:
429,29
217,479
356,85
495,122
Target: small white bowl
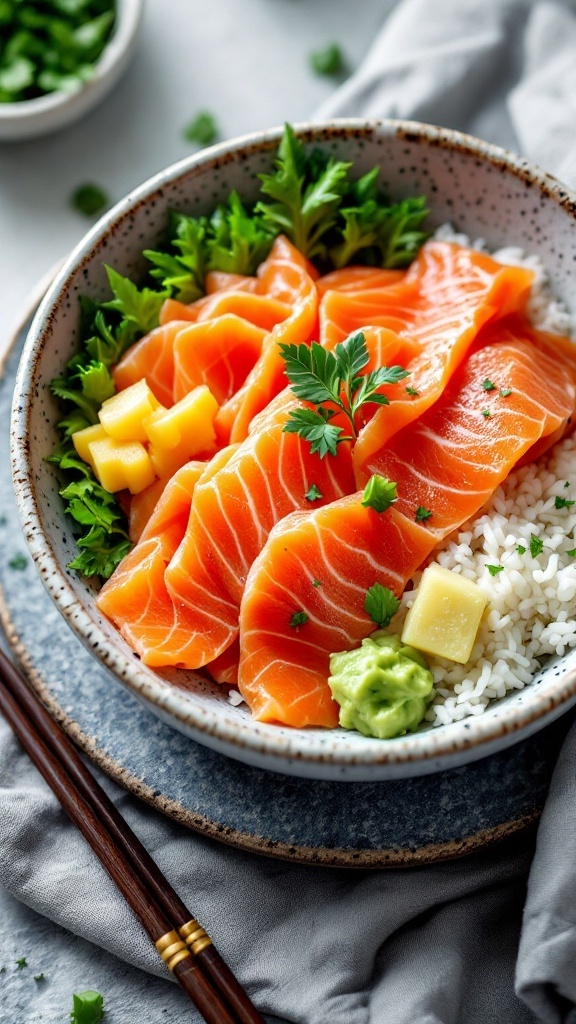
27,119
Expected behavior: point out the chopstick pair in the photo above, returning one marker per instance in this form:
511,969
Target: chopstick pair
182,943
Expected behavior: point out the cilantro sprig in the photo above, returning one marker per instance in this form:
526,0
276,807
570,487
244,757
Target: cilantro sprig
320,376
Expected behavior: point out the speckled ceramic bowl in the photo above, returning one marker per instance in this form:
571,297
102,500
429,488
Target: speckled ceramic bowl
485,192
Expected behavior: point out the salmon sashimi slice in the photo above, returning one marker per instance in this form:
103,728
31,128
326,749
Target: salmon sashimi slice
320,563
286,273
142,506
234,509
151,359
224,668
135,596
354,279
451,460
219,353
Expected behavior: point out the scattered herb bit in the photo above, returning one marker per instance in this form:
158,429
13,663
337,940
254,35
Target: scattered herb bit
203,129
21,963
298,619
18,562
504,392
89,200
319,376
486,413
88,1008
536,546
487,385
313,494
50,47
39,977
328,61
318,583
562,502
495,569
572,553
422,513
566,483
2,970
520,549
411,390
380,604
379,493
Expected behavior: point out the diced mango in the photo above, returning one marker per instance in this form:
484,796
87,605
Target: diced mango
83,438
122,415
445,616
121,464
189,423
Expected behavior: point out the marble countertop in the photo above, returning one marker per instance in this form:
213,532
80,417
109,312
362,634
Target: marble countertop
247,63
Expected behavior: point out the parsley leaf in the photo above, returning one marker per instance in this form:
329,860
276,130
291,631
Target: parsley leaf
318,583
487,385
138,308
572,553
520,549
313,494
495,569
298,619
203,129
486,414
562,502
380,604
536,546
87,1008
411,391
237,241
504,392
182,269
328,61
18,562
314,427
21,963
89,199
39,977
379,493
422,513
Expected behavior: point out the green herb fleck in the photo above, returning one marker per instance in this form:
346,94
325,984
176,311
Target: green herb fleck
313,494
381,604
88,1008
562,502
39,977
486,413
21,963
203,129
411,390
566,483
487,385
2,970
318,583
572,553
536,546
298,619
328,61
18,562
520,549
89,200
495,569
379,493
422,513
504,392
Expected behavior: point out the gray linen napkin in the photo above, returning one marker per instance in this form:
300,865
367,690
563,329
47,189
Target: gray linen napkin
435,945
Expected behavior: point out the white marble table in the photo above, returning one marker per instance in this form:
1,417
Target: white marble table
247,62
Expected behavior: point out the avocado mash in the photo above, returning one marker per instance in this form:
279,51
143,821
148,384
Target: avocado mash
382,687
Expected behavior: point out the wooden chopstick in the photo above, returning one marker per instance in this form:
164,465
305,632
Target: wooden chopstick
204,975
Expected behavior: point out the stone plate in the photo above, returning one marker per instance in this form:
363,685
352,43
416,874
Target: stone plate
345,824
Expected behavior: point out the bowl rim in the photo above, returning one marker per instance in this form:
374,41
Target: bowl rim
128,19
477,736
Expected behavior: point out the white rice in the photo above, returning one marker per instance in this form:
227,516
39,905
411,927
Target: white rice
531,613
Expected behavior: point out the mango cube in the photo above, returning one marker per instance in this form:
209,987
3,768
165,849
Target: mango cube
122,415
83,438
445,616
189,424
121,464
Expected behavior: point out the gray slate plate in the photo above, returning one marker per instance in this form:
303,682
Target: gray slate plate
345,824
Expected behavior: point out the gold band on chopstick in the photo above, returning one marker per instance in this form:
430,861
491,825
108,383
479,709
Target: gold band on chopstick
195,936
172,949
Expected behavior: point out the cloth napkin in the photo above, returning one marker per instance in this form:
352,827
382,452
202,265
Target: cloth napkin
491,937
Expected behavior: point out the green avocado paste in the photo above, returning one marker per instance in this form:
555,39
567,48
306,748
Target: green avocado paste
382,687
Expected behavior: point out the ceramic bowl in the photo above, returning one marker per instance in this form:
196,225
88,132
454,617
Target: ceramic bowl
31,118
486,192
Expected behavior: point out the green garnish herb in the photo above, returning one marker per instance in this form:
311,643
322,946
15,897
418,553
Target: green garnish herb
487,385
520,549
536,546
504,392
87,1008
566,483
379,493
320,376
50,47
318,583
411,391
18,562
572,553
89,200
21,963
298,619
422,513
495,569
380,604
203,129
313,494
486,413
562,502
328,61
2,970
39,977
